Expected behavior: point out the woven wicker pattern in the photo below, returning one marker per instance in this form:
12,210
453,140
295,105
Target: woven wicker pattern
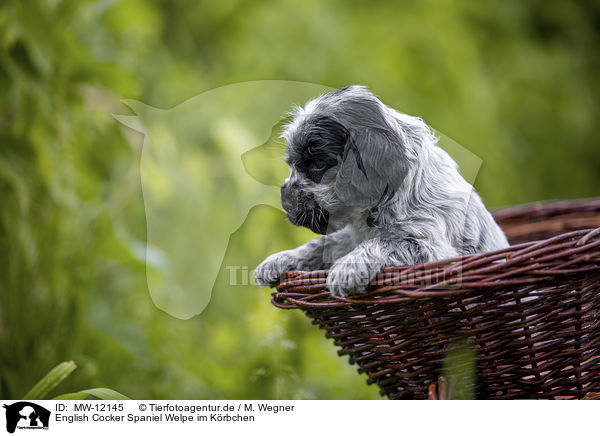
532,311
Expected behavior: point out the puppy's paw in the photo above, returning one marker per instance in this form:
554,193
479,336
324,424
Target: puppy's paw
271,270
348,277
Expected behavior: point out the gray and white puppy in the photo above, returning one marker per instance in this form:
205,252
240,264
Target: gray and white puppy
374,182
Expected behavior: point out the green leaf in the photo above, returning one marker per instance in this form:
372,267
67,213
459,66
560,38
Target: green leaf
74,396
93,394
50,381
459,369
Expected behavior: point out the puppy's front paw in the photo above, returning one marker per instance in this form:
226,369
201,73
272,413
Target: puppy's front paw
348,277
271,270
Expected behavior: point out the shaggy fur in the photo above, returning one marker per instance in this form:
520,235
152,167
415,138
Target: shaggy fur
374,182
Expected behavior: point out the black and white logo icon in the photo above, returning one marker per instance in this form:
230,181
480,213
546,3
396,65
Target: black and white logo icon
26,415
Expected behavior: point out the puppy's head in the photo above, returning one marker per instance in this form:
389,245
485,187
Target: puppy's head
347,154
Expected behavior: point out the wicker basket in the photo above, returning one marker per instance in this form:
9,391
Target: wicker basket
532,311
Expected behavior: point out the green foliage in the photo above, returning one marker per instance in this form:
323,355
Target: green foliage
57,375
459,369
514,82
93,394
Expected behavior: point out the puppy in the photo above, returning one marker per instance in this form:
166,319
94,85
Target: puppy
374,182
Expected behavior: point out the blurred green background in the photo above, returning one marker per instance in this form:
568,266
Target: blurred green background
514,82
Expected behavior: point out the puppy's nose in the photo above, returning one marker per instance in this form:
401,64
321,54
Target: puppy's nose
289,196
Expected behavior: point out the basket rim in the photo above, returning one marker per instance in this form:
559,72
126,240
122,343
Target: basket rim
528,263
547,208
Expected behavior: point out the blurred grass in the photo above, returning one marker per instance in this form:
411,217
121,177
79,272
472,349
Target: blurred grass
514,82
50,381
459,368
59,374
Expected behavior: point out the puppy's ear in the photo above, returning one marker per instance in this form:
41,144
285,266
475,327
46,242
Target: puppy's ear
372,167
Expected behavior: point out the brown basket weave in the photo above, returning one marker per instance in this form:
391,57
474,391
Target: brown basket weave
532,311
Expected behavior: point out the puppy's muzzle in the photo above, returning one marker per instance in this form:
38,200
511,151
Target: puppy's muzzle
302,209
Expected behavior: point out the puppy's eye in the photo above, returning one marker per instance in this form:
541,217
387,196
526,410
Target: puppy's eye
319,164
